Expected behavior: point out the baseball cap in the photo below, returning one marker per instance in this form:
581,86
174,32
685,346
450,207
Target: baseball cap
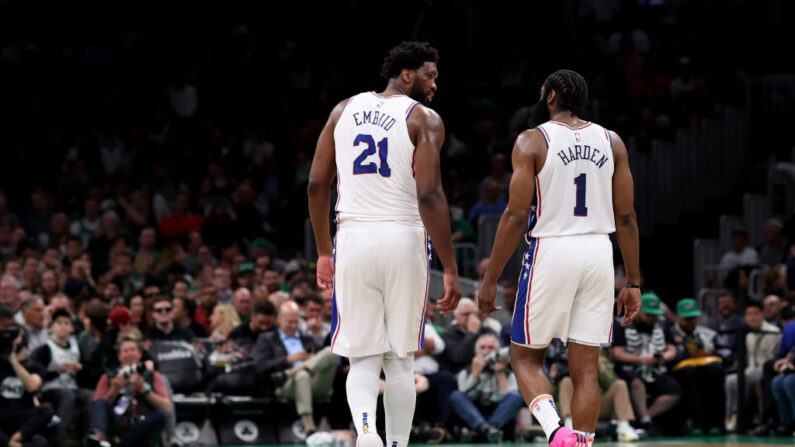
650,304
261,242
687,308
245,268
120,315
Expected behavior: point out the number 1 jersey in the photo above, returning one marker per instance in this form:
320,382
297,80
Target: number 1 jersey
574,189
375,160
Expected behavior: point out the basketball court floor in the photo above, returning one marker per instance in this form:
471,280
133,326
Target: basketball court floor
728,441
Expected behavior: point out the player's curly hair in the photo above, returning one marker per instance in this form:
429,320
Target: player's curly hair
408,55
571,88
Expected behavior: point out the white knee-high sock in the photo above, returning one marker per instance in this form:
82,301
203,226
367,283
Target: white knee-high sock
400,398
546,413
362,390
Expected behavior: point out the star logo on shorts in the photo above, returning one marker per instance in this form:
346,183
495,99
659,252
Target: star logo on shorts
526,256
525,275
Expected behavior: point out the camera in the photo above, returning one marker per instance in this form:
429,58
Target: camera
8,334
129,370
494,357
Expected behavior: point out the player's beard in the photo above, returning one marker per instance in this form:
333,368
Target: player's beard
419,95
540,113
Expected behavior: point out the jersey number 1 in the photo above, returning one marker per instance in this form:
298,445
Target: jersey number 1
370,168
580,209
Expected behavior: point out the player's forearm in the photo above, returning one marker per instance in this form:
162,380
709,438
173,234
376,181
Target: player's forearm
436,218
627,235
319,204
509,231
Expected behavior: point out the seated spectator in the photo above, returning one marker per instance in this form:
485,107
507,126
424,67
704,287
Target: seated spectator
32,310
9,294
771,309
60,357
788,330
728,322
245,275
184,310
615,402
641,349
95,322
262,319
165,327
241,301
271,279
500,173
489,204
223,319
433,404
487,387
296,368
762,344
181,221
313,323
698,370
22,421
740,254
222,280
130,404
460,337
120,321
774,249
783,389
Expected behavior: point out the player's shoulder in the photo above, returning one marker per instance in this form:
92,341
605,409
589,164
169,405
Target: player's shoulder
424,115
531,139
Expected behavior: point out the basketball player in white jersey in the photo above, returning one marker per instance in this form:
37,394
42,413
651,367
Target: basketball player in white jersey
571,188
384,150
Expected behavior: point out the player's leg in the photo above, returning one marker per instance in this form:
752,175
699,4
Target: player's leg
583,368
406,263
400,398
362,391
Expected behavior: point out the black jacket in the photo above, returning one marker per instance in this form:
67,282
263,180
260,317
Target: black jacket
270,354
459,347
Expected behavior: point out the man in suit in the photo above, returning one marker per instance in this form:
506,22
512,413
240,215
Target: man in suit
298,368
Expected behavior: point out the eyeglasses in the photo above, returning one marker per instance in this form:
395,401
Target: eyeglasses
163,310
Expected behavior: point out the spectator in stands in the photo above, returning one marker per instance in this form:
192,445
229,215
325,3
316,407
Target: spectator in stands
32,310
120,322
166,327
89,223
728,322
698,369
222,280
95,321
271,279
49,285
207,299
184,310
60,357
783,390
245,275
487,387
223,319
771,309
297,368
122,272
774,249
263,318
615,402
9,292
312,322
641,351
741,254
500,173
241,301
762,345
460,337
22,421
489,203
181,288
181,221
433,405
737,282
131,404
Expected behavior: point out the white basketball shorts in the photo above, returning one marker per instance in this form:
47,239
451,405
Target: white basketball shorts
382,272
565,291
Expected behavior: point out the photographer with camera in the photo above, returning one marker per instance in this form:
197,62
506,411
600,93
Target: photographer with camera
783,390
21,421
132,402
487,387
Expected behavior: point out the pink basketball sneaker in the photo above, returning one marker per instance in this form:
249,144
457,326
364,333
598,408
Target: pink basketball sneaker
564,437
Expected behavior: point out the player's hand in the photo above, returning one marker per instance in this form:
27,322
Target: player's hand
325,273
629,302
452,294
486,296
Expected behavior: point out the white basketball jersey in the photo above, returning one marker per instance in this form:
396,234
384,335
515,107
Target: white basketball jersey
375,160
574,189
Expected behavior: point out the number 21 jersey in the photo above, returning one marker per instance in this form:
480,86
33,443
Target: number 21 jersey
375,160
574,189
